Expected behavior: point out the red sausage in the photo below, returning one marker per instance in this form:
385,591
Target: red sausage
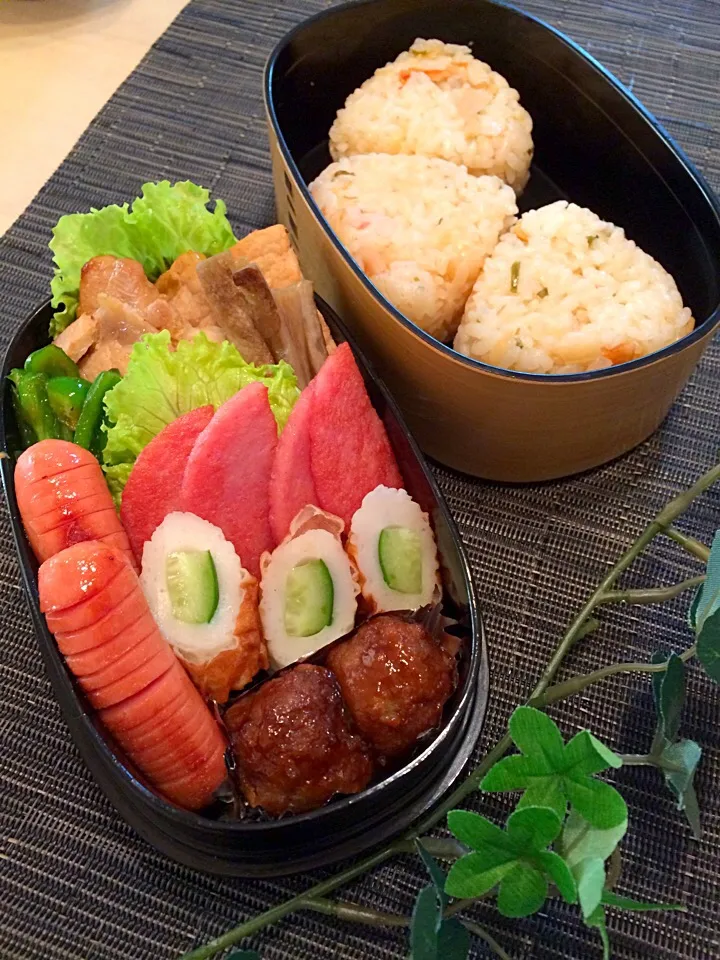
139,712
116,627
195,784
158,662
93,603
63,499
88,612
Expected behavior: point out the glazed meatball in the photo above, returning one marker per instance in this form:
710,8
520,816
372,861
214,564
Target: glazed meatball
395,680
293,745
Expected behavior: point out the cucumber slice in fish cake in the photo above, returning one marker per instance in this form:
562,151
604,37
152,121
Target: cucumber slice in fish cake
192,585
309,598
400,557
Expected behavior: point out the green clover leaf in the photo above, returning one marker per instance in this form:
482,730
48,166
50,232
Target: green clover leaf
516,859
684,757
552,773
704,614
434,869
707,598
523,891
580,841
590,878
433,936
597,920
708,646
669,695
560,874
611,899
585,848
678,759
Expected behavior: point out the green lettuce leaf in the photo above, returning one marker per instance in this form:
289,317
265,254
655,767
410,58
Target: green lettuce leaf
167,220
161,385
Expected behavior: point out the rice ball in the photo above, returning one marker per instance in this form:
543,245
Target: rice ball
566,292
437,100
419,227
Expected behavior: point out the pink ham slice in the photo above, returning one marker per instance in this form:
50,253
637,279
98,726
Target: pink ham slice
153,487
350,453
227,477
291,483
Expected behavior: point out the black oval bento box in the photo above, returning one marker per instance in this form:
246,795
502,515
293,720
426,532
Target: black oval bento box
345,827
595,145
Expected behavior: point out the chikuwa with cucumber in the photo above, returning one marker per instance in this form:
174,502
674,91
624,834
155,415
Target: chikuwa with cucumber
53,402
392,545
204,603
308,589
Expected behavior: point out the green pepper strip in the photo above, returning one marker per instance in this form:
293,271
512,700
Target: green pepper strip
67,396
35,409
88,432
51,361
25,430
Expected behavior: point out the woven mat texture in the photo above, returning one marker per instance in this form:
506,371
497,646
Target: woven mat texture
75,882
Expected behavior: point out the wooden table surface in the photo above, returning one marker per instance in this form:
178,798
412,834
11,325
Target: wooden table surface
60,60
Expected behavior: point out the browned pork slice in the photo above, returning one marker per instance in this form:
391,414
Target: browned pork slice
121,278
118,327
77,339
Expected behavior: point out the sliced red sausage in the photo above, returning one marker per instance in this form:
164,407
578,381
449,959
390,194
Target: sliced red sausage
93,603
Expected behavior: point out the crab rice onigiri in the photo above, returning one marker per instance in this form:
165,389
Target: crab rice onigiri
565,292
419,227
436,99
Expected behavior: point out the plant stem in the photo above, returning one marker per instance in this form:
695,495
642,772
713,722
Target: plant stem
575,685
459,905
637,760
442,848
649,760
264,919
490,941
662,523
652,594
693,546
354,913
580,627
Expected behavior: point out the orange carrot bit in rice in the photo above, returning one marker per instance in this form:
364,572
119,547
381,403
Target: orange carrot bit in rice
620,353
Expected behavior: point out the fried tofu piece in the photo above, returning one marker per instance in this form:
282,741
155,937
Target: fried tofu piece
181,289
270,250
182,273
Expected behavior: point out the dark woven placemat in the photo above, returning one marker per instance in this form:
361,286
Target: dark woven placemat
75,882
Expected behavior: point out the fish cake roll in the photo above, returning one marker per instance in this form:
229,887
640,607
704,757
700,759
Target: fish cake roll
205,603
308,590
392,544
